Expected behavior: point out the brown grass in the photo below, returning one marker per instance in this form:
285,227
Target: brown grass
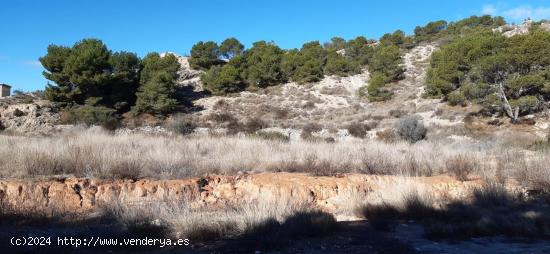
461,166
271,222
93,153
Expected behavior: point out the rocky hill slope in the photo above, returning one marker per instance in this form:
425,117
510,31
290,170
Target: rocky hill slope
28,115
333,104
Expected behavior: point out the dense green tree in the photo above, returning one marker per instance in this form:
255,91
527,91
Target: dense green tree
124,81
222,80
449,66
309,63
310,70
54,65
153,63
387,60
340,65
441,29
289,62
509,75
360,50
80,73
204,55
336,43
88,73
86,67
230,48
430,30
156,95
396,38
263,63
375,87
473,22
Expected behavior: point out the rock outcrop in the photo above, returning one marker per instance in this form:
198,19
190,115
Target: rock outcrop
187,77
510,30
29,115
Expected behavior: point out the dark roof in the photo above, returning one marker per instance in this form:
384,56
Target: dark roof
4,85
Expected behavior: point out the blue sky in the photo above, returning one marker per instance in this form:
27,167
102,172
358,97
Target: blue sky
29,26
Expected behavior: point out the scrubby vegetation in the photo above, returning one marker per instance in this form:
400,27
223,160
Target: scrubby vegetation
265,64
445,31
385,60
507,75
270,223
88,74
410,128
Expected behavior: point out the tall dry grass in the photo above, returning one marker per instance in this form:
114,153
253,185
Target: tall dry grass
267,222
94,153
182,219
98,154
490,209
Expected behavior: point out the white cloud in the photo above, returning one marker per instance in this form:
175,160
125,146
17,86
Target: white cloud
33,63
518,14
521,13
489,10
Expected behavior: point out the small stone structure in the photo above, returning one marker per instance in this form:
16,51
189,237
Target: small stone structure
5,90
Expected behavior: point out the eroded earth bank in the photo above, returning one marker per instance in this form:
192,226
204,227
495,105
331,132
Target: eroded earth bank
266,212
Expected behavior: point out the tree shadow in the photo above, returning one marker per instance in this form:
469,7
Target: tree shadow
187,95
493,211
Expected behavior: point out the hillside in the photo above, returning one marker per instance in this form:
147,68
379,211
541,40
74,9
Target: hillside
434,142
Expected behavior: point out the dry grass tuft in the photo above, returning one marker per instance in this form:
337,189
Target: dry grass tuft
461,166
94,153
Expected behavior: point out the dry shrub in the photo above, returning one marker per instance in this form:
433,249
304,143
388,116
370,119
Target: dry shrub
397,113
387,136
181,124
18,113
221,117
418,206
358,130
281,113
40,163
273,135
308,129
133,121
411,129
380,216
533,174
410,205
309,105
378,117
461,166
378,165
336,90
221,105
125,169
268,218
233,127
492,194
250,126
253,125
315,166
